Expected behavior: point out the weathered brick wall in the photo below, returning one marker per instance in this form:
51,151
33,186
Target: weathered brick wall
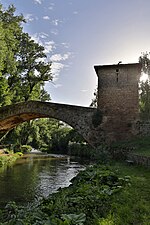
118,98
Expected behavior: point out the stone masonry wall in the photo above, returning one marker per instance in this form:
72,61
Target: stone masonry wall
118,98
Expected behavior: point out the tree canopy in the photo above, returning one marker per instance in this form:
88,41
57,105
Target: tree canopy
23,63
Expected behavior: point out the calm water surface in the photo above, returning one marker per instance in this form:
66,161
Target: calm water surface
36,176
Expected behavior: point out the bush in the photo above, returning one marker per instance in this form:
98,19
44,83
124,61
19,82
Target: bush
25,148
101,153
97,118
9,159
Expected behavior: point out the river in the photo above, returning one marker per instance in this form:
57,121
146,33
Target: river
35,176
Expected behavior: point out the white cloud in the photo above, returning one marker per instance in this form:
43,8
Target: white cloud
37,38
75,12
59,57
57,66
43,35
49,46
84,90
46,18
51,7
56,59
38,1
56,22
55,69
29,17
64,44
57,85
54,31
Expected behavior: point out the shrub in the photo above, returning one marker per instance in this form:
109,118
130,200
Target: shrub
97,118
25,148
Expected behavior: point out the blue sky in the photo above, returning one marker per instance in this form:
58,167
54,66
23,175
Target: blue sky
78,34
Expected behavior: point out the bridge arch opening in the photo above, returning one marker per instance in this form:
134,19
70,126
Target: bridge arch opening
79,118
45,134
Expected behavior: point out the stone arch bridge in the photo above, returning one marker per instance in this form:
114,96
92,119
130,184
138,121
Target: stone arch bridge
78,117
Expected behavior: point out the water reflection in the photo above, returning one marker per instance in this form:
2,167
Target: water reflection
36,176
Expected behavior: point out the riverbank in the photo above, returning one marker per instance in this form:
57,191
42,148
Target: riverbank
6,159
115,194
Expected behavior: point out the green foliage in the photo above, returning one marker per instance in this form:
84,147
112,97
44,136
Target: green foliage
3,160
59,139
75,137
32,71
51,136
74,219
145,87
145,100
44,134
23,65
8,159
132,205
21,149
101,154
145,62
137,145
95,99
89,194
97,118
10,27
25,148
25,216
81,150
109,220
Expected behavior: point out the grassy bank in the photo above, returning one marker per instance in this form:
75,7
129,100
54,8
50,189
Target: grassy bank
139,146
131,206
8,159
117,194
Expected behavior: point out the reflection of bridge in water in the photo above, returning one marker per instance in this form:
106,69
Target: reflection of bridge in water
78,117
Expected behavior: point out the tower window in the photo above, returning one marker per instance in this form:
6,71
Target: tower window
117,75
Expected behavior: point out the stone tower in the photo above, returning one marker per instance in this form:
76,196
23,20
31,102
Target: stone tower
118,99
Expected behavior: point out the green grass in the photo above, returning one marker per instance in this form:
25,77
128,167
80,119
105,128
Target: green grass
132,205
140,145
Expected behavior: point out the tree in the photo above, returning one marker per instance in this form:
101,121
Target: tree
23,65
144,91
32,71
23,68
145,99
94,100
